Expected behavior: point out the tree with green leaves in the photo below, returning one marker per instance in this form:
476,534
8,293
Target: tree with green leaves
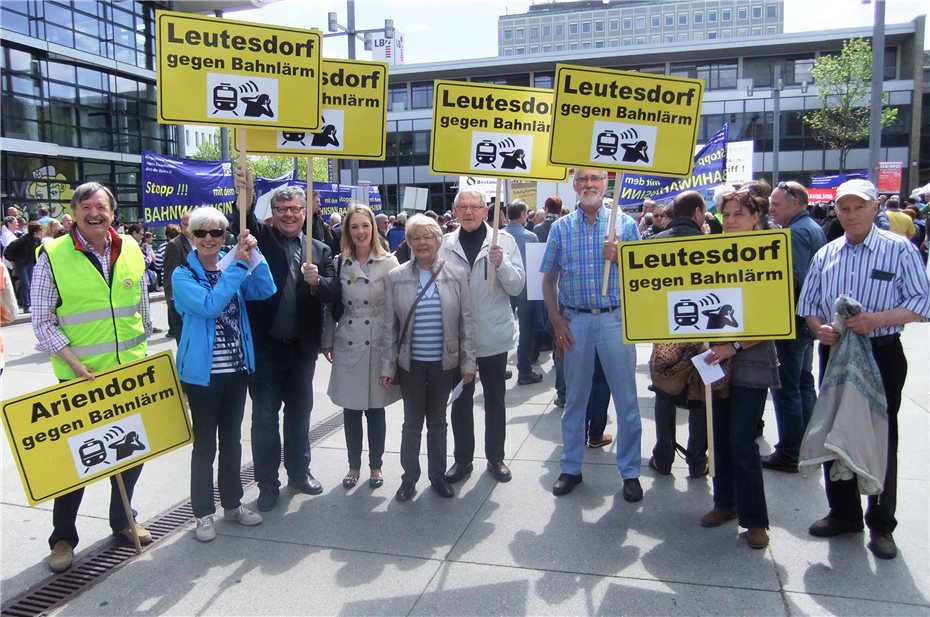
263,166
844,86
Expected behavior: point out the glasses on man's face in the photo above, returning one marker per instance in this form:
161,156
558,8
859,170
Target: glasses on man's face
286,209
214,233
784,186
469,208
586,179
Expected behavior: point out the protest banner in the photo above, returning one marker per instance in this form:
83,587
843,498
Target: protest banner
77,432
823,188
333,197
626,121
710,164
172,186
354,117
889,177
739,162
708,288
490,130
225,72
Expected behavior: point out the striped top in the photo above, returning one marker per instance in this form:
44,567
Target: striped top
227,341
575,250
426,335
882,273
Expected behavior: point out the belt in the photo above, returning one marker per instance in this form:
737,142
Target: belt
884,341
593,311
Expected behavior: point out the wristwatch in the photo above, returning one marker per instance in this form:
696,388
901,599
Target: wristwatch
737,346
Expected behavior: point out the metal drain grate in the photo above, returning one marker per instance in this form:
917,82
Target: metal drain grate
58,589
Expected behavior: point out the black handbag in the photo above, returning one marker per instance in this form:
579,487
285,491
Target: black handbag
338,308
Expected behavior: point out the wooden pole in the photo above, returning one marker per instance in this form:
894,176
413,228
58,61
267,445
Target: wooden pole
242,198
129,516
492,275
709,415
309,221
612,237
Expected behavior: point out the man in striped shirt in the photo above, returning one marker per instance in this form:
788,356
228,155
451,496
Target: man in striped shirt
884,273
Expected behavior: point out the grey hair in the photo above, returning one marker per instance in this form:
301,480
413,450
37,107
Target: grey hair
206,215
287,193
422,222
477,194
86,190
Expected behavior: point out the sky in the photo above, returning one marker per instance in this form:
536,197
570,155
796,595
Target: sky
444,30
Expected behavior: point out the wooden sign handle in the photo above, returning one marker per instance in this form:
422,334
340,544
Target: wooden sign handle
309,221
492,275
242,201
612,234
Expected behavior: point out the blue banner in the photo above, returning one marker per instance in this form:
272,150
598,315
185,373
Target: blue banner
172,186
829,182
710,170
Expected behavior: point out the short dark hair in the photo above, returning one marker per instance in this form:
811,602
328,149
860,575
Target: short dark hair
134,228
89,188
553,205
516,209
686,204
34,228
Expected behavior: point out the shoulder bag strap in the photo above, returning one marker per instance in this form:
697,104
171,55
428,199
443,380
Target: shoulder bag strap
403,332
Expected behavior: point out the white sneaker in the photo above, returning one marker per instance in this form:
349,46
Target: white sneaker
205,531
243,515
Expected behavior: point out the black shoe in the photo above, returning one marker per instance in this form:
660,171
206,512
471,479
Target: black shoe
882,545
306,484
442,487
267,498
565,484
655,466
827,527
632,490
157,330
508,374
775,462
499,471
406,491
530,378
457,472
559,401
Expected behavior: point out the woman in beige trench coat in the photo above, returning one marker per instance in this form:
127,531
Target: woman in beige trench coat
354,345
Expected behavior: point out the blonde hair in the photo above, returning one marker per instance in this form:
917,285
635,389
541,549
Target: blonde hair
348,247
420,222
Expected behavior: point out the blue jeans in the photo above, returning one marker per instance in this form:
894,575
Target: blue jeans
794,401
738,483
601,334
526,318
283,374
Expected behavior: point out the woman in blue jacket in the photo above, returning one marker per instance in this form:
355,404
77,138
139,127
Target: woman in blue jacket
214,356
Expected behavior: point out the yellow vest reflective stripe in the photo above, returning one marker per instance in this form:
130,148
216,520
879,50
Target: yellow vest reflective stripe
102,322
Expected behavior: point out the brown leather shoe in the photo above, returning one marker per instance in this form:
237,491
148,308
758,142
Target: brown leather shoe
717,517
757,537
125,536
882,545
62,556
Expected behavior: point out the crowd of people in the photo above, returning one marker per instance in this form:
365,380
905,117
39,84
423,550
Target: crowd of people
421,308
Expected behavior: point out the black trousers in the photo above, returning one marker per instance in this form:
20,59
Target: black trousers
491,371
425,391
843,496
216,415
352,423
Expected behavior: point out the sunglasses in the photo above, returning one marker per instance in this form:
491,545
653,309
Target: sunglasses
214,233
784,186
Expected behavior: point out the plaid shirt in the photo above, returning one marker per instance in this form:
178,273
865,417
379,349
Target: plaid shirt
575,251
45,298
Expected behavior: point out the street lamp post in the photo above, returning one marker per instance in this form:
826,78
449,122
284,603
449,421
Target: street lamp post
776,123
353,33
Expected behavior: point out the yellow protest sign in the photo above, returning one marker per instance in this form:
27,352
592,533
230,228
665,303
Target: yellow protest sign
708,288
627,121
354,117
489,130
224,72
80,431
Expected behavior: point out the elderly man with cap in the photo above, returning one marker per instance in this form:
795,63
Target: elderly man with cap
884,273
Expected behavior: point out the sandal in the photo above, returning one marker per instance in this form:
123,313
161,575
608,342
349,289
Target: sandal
350,480
377,479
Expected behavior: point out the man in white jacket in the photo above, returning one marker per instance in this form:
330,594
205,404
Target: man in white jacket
470,246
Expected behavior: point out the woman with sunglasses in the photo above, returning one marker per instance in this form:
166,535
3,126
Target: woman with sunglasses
354,347
214,357
738,489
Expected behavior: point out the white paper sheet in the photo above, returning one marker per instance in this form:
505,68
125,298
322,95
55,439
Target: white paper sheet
709,372
456,392
230,257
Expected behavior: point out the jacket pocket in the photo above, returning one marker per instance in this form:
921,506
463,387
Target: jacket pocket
452,347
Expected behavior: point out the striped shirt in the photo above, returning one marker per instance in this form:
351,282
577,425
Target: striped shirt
227,340
426,335
45,298
575,250
883,272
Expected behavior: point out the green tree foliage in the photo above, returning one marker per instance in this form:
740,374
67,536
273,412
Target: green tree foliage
844,85
263,166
